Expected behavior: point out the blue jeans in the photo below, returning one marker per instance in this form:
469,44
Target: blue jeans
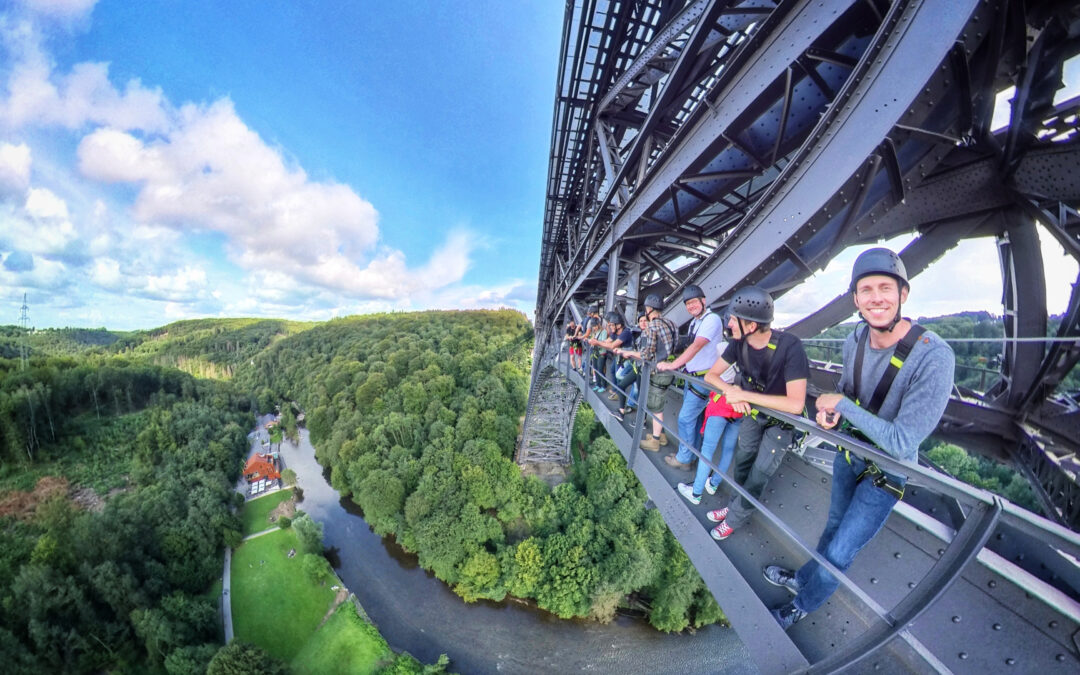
689,423
621,373
857,512
718,431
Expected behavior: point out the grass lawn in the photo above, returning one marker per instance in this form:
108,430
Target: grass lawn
257,510
345,644
274,605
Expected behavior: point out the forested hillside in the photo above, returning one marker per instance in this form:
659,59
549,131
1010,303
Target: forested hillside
115,484
416,416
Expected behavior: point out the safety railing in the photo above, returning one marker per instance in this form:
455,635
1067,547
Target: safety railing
982,512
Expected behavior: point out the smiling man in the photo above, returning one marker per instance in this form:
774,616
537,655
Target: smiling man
707,330
896,383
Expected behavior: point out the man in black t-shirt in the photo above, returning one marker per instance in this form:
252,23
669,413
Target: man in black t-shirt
773,370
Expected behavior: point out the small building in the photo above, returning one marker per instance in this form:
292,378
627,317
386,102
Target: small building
262,472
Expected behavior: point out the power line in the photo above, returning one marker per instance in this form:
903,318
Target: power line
24,323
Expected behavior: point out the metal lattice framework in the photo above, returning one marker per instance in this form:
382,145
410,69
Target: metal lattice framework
553,403
723,143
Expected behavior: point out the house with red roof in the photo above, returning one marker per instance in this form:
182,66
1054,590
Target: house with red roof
261,469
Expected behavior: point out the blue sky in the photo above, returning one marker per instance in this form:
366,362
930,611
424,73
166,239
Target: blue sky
171,159
174,159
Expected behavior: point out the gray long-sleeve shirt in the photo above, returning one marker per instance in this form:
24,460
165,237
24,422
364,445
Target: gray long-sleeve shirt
915,401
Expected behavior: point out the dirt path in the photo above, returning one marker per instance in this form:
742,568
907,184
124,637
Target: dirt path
342,594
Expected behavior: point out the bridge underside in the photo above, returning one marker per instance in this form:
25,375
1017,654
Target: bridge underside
728,142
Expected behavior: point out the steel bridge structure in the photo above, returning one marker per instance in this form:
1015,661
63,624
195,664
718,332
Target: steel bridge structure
729,142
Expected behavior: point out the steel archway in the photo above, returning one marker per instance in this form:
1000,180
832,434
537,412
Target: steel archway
726,142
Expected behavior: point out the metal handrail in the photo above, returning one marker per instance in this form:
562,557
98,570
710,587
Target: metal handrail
990,509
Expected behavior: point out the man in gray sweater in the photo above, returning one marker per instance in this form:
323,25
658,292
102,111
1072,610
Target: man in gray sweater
896,383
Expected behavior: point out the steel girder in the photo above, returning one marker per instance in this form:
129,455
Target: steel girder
812,128
549,417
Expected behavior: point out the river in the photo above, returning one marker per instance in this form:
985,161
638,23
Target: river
418,613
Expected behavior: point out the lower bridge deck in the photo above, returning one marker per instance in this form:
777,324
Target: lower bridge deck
997,615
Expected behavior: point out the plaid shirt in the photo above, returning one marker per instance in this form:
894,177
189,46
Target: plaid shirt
659,337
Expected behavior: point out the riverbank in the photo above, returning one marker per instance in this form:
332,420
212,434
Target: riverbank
417,613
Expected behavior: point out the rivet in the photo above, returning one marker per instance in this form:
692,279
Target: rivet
992,583
896,555
997,626
877,666
1010,661
794,485
962,655
911,584
941,551
807,507
956,619
1054,623
873,580
1060,657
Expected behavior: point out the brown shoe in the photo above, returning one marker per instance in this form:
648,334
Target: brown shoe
651,444
663,438
670,460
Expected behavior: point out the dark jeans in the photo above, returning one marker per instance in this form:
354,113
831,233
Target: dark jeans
758,454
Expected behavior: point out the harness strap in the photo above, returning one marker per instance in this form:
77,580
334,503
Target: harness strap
879,478
744,363
896,362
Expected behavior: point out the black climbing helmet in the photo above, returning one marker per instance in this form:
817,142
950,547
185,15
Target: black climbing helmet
879,261
654,301
692,291
752,303
614,317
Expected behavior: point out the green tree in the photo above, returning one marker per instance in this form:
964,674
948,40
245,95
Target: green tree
309,532
316,567
239,658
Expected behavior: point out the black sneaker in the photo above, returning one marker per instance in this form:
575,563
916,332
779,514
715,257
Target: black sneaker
788,615
780,576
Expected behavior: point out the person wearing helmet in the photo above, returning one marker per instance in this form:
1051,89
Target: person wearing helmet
594,329
618,335
657,343
573,341
706,329
773,370
905,375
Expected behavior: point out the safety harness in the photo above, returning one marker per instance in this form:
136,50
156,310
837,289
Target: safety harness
903,348
748,380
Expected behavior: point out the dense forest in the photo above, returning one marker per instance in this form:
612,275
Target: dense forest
118,452
417,414
116,482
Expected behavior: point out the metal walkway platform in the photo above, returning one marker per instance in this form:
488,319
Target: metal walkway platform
986,594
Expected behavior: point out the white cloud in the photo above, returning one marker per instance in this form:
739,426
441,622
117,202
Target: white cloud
105,272
38,97
41,203
213,173
46,274
14,168
60,8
